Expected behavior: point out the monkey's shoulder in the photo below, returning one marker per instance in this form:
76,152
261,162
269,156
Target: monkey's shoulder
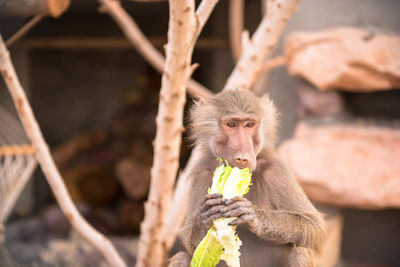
200,182
271,165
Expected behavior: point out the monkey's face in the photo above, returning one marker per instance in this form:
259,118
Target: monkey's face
238,141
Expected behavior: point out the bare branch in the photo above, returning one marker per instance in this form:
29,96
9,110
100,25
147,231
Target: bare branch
181,37
21,32
143,45
47,163
236,21
183,30
273,63
203,12
263,40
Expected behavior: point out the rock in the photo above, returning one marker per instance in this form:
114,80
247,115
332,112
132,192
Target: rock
26,253
56,222
315,103
133,171
352,166
91,183
105,220
77,145
131,214
345,58
5,258
332,247
27,230
76,251
134,178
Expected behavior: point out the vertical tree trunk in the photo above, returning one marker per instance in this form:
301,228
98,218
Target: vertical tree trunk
183,30
169,121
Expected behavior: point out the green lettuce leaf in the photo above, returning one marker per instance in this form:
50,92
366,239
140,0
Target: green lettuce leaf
209,251
221,241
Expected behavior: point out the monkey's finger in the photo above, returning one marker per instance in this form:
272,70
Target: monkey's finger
208,221
241,220
214,195
213,210
211,200
236,212
211,203
236,205
214,201
236,199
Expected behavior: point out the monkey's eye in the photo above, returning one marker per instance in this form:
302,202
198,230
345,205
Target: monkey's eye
250,124
231,124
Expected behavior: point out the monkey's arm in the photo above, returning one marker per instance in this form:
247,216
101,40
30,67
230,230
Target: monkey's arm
190,233
292,218
203,210
299,228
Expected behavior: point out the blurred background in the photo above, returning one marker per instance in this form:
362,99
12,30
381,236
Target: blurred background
95,99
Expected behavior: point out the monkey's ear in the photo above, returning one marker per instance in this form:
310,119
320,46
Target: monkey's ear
270,111
200,101
265,97
266,100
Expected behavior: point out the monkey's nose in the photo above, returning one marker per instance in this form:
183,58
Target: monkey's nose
241,162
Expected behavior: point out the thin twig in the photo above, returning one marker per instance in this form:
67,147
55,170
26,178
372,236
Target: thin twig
22,31
143,45
274,63
203,12
255,50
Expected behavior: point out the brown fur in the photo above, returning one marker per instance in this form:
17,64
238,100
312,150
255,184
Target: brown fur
288,228
180,259
206,113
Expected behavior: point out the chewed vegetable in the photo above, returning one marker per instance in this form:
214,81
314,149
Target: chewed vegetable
221,240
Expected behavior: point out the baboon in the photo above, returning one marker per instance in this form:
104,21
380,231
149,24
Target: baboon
276,222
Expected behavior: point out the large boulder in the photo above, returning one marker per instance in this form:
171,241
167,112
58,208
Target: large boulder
345,58
345,165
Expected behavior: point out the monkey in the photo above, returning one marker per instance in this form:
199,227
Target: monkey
276,222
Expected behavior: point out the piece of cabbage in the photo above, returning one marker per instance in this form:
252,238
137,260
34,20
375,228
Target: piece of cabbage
221,241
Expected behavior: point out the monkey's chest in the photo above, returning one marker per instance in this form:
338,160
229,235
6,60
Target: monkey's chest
256,252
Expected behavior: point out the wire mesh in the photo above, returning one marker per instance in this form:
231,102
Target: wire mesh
17,162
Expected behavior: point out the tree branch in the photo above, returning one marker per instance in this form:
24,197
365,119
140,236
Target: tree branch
47,163
203,12
143,45
236,21
183,30
22,31
255,51
273,63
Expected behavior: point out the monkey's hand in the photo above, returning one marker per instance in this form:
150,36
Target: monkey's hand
243,209
210,209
